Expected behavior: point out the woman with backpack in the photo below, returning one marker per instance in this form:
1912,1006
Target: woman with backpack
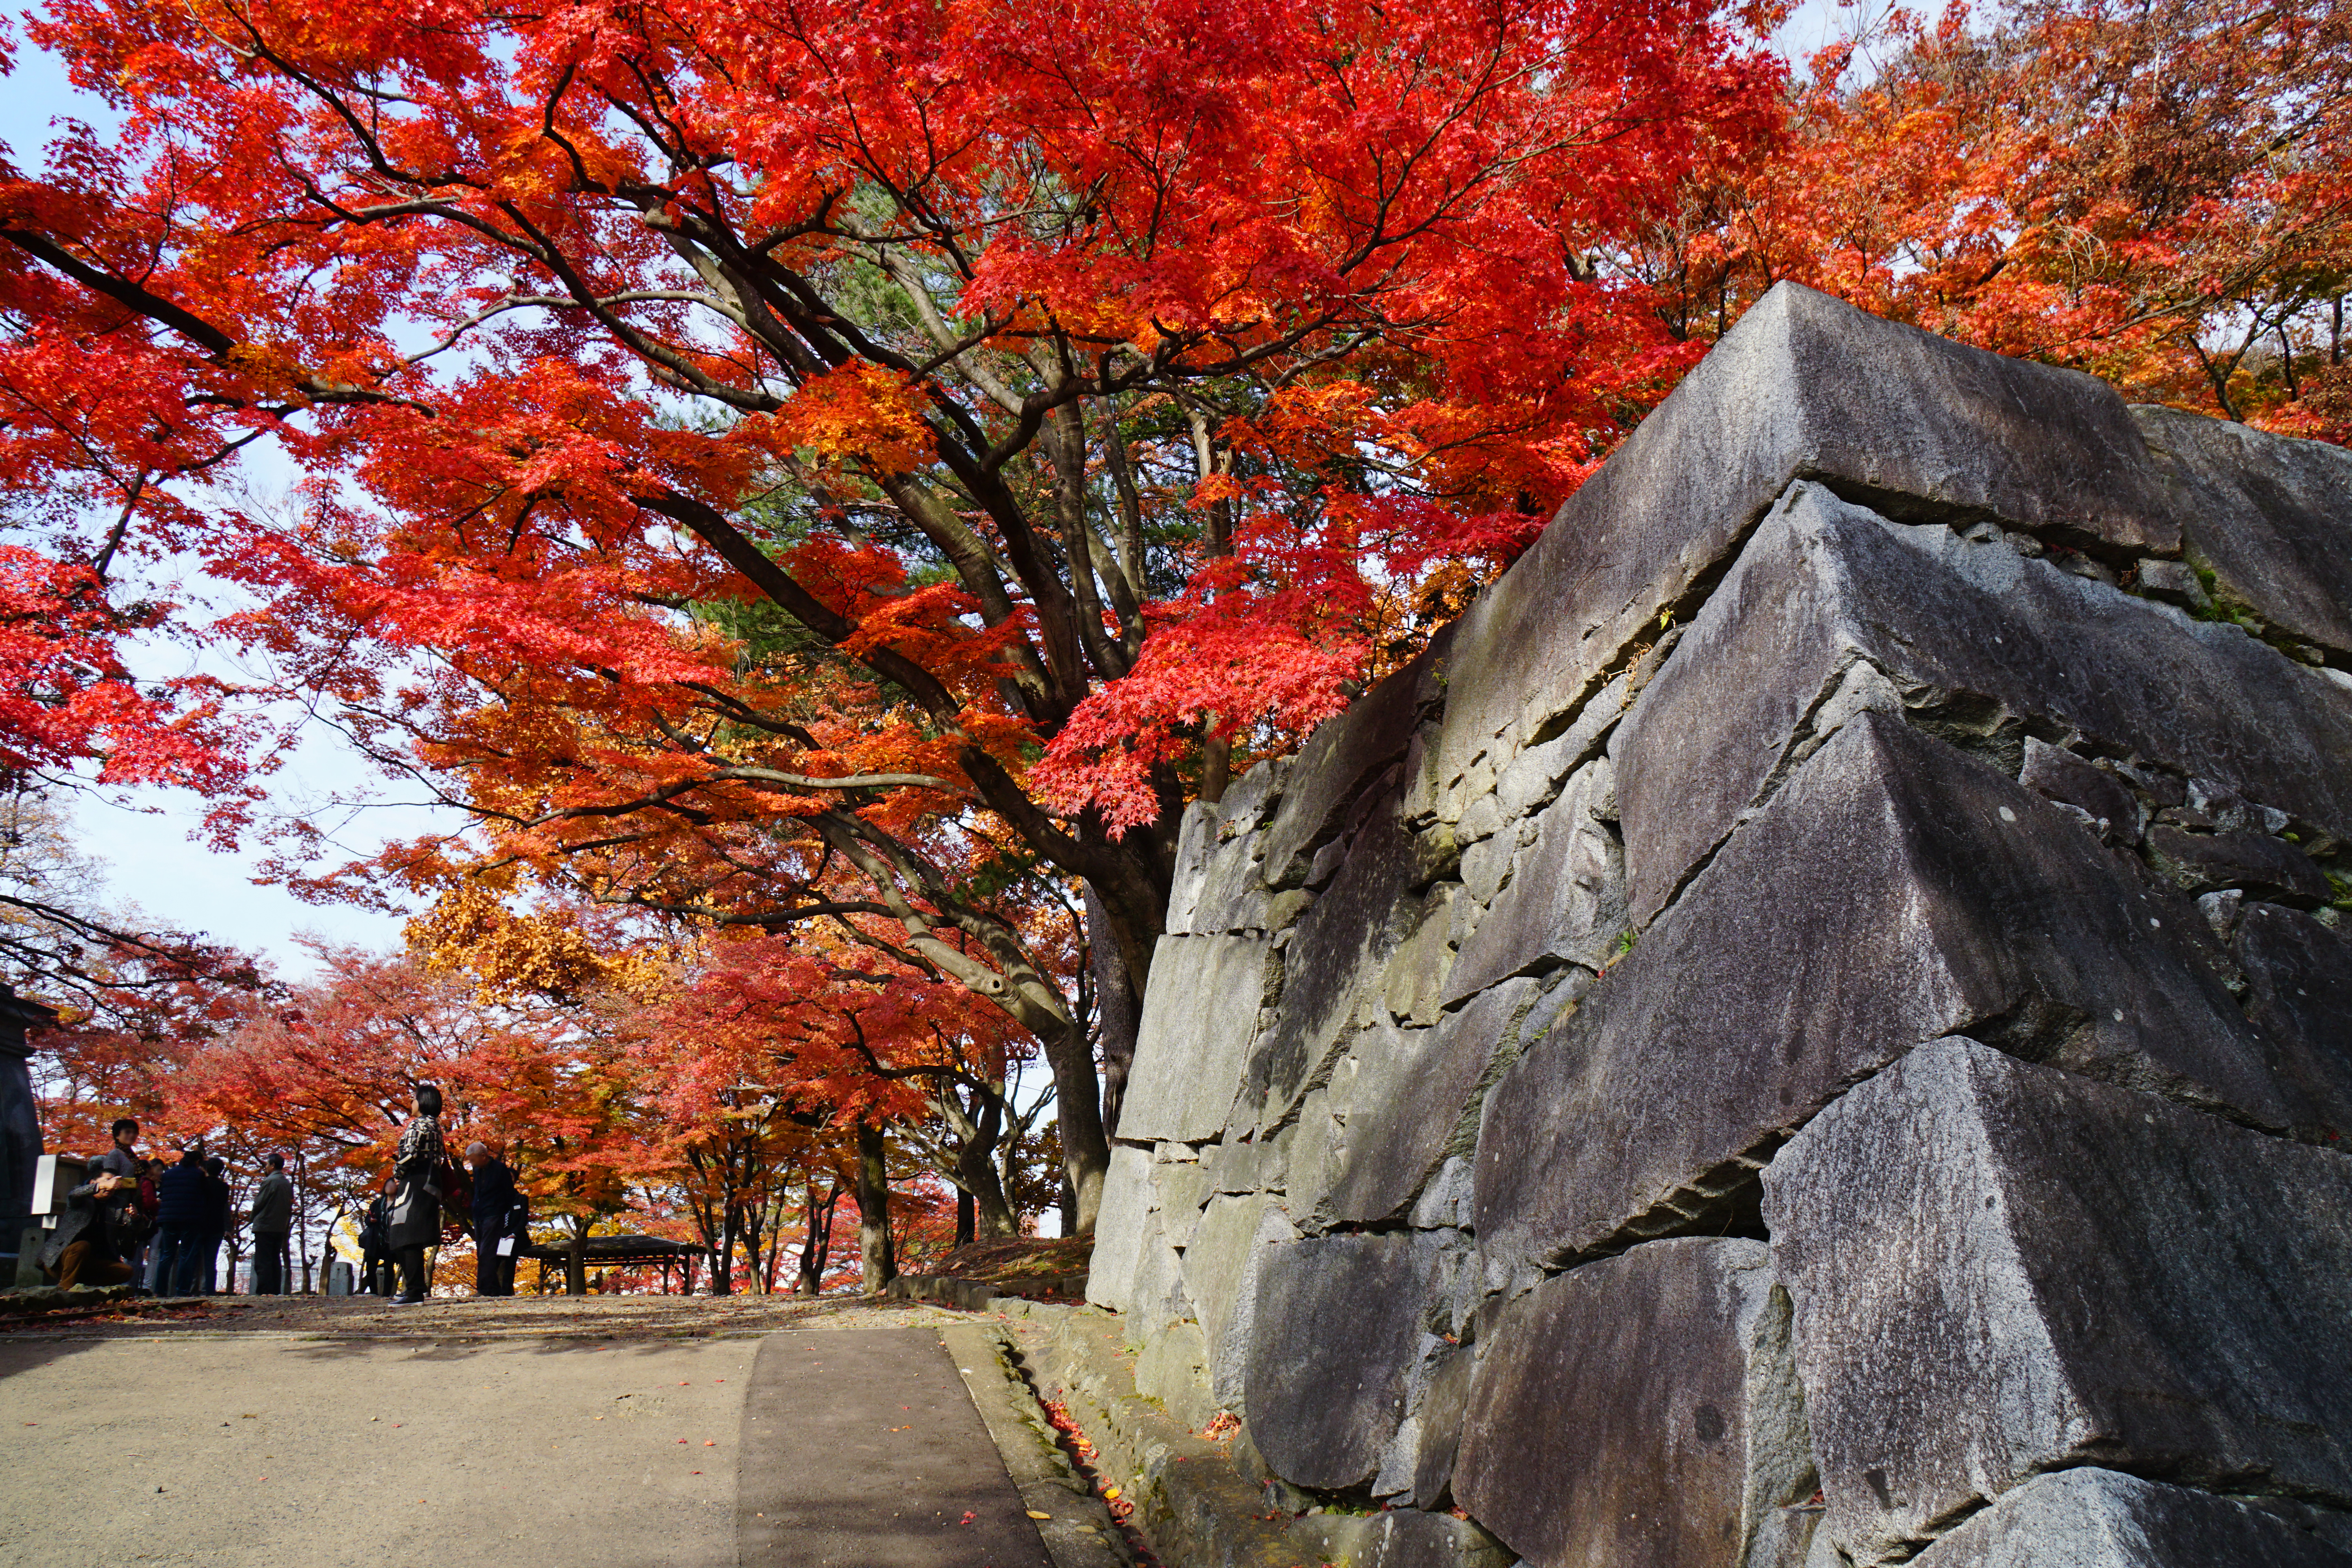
415,1221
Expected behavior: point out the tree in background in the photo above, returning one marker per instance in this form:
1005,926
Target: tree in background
2157,191
1071,395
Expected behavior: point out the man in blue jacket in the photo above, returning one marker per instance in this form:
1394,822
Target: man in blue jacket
184,1212
502,1221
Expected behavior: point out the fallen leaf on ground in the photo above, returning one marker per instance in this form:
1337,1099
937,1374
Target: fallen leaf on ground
1035,1514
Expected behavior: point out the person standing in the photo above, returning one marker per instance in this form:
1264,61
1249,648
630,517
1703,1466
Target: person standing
272,1215
218,1208
501,1221
415,1222
375,1247
129,1220
183,1209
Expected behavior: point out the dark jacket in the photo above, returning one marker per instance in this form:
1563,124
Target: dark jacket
216,1216
498,1207
273,1205
184,1196
416,1215
80,1222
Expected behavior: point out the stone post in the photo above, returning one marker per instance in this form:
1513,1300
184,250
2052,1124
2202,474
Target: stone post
20,1119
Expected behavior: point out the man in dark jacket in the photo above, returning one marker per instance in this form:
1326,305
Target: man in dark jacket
183,1209
217,1221
273,1222
502,1221
80,1250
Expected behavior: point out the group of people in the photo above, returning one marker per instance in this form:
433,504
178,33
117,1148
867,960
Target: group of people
140,1221
404,1221
134,1220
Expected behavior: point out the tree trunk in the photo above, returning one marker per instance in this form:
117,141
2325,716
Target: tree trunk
981,1212
575,1262
722,1266
1121,1008
877,1258
818,1246
1085,1151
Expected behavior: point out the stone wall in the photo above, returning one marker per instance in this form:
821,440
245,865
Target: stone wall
1813,1026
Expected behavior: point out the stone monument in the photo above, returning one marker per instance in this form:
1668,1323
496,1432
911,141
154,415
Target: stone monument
1814,1025
20,1121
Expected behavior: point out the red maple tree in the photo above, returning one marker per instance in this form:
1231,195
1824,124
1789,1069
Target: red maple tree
879,427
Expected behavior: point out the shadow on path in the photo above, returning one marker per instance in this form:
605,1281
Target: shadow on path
861,1449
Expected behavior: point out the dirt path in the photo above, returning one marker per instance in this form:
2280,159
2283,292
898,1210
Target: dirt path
537,1431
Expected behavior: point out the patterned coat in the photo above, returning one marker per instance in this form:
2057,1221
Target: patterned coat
416,1207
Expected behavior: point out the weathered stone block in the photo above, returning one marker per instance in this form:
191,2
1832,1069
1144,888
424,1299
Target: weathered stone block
1200,1019
1439,1441
1221,1277
1179,1191
2254,863
1196,844
1251,1167
2055,774
1404,1537
2299,995
1118,1228
1895,890
2272,516
1412,1099
1804,387
1964,631
1345,755
1340,1322
1172,1368
1414,982
1566,901
1641,1409
2000,1269
1333,963
2102,1519
1156,1299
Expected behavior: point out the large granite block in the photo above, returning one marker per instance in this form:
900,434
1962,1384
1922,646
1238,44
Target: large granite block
2272,516
1342,1325
1220,884
2299,995
1962,628
1643,1409
1804,387
1331,969
1118,1228
2102,1519
1156,1299
1999,1270
1893,890
1566,901
1200,1018
1344,755
1411,1101
1220,1267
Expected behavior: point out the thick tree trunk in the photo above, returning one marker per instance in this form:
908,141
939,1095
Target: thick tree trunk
818,1245
575,1262
722,1265
877,1258
990,1218
1119,1005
